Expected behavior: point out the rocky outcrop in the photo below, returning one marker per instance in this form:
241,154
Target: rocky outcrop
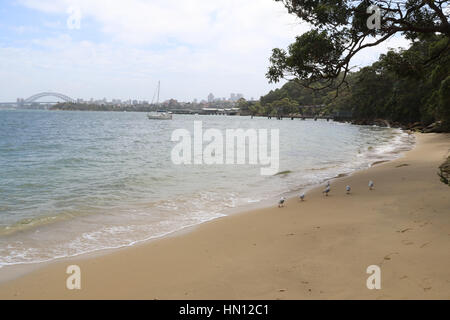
370,122
416,126
434,127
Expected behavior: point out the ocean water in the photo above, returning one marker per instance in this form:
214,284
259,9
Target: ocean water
79,182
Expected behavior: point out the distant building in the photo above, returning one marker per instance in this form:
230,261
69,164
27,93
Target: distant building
236,96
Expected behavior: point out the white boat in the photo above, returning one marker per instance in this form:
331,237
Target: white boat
159,116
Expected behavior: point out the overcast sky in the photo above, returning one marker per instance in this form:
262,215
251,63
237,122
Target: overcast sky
120,49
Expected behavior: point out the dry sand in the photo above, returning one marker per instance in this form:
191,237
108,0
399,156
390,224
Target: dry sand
317,249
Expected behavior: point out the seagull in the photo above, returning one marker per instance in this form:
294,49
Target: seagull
281,203
348,188
371,185
302,197
327,190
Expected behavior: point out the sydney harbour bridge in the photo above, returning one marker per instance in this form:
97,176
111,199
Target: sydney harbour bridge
36,99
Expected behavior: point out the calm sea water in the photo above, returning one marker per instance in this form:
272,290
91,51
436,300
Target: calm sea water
78,182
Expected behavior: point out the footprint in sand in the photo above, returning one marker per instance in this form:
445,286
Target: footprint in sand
404,277
388,257
405,230
424,245
426,284
407,242
422,223
403,165
427,289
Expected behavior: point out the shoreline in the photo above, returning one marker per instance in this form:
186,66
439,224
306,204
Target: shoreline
15,271
204,236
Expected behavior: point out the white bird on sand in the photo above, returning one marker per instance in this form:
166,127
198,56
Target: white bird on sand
327,191
371,185
281,203
302,197
348,188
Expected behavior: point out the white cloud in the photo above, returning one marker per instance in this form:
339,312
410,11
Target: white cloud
193,46
189,21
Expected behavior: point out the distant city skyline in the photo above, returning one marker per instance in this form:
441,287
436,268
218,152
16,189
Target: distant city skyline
51,97
233,97
87,49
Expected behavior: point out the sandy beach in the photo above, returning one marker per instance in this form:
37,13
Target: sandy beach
316,249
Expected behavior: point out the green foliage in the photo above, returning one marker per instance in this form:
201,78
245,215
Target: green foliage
443,106
444,171
296,93
340,31
405,86
312,55
68,106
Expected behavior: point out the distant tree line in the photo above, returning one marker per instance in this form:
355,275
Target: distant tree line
409,87
69,106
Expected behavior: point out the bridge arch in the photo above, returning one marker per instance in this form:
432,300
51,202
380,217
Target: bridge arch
37,96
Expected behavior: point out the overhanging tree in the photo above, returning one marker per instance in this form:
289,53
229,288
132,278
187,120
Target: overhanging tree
341,31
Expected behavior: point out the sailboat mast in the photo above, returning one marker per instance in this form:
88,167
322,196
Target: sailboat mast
159,88
156,94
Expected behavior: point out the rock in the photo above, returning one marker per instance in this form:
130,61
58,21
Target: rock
382,123
435,128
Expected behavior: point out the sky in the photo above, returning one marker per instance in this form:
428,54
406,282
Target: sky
119,49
